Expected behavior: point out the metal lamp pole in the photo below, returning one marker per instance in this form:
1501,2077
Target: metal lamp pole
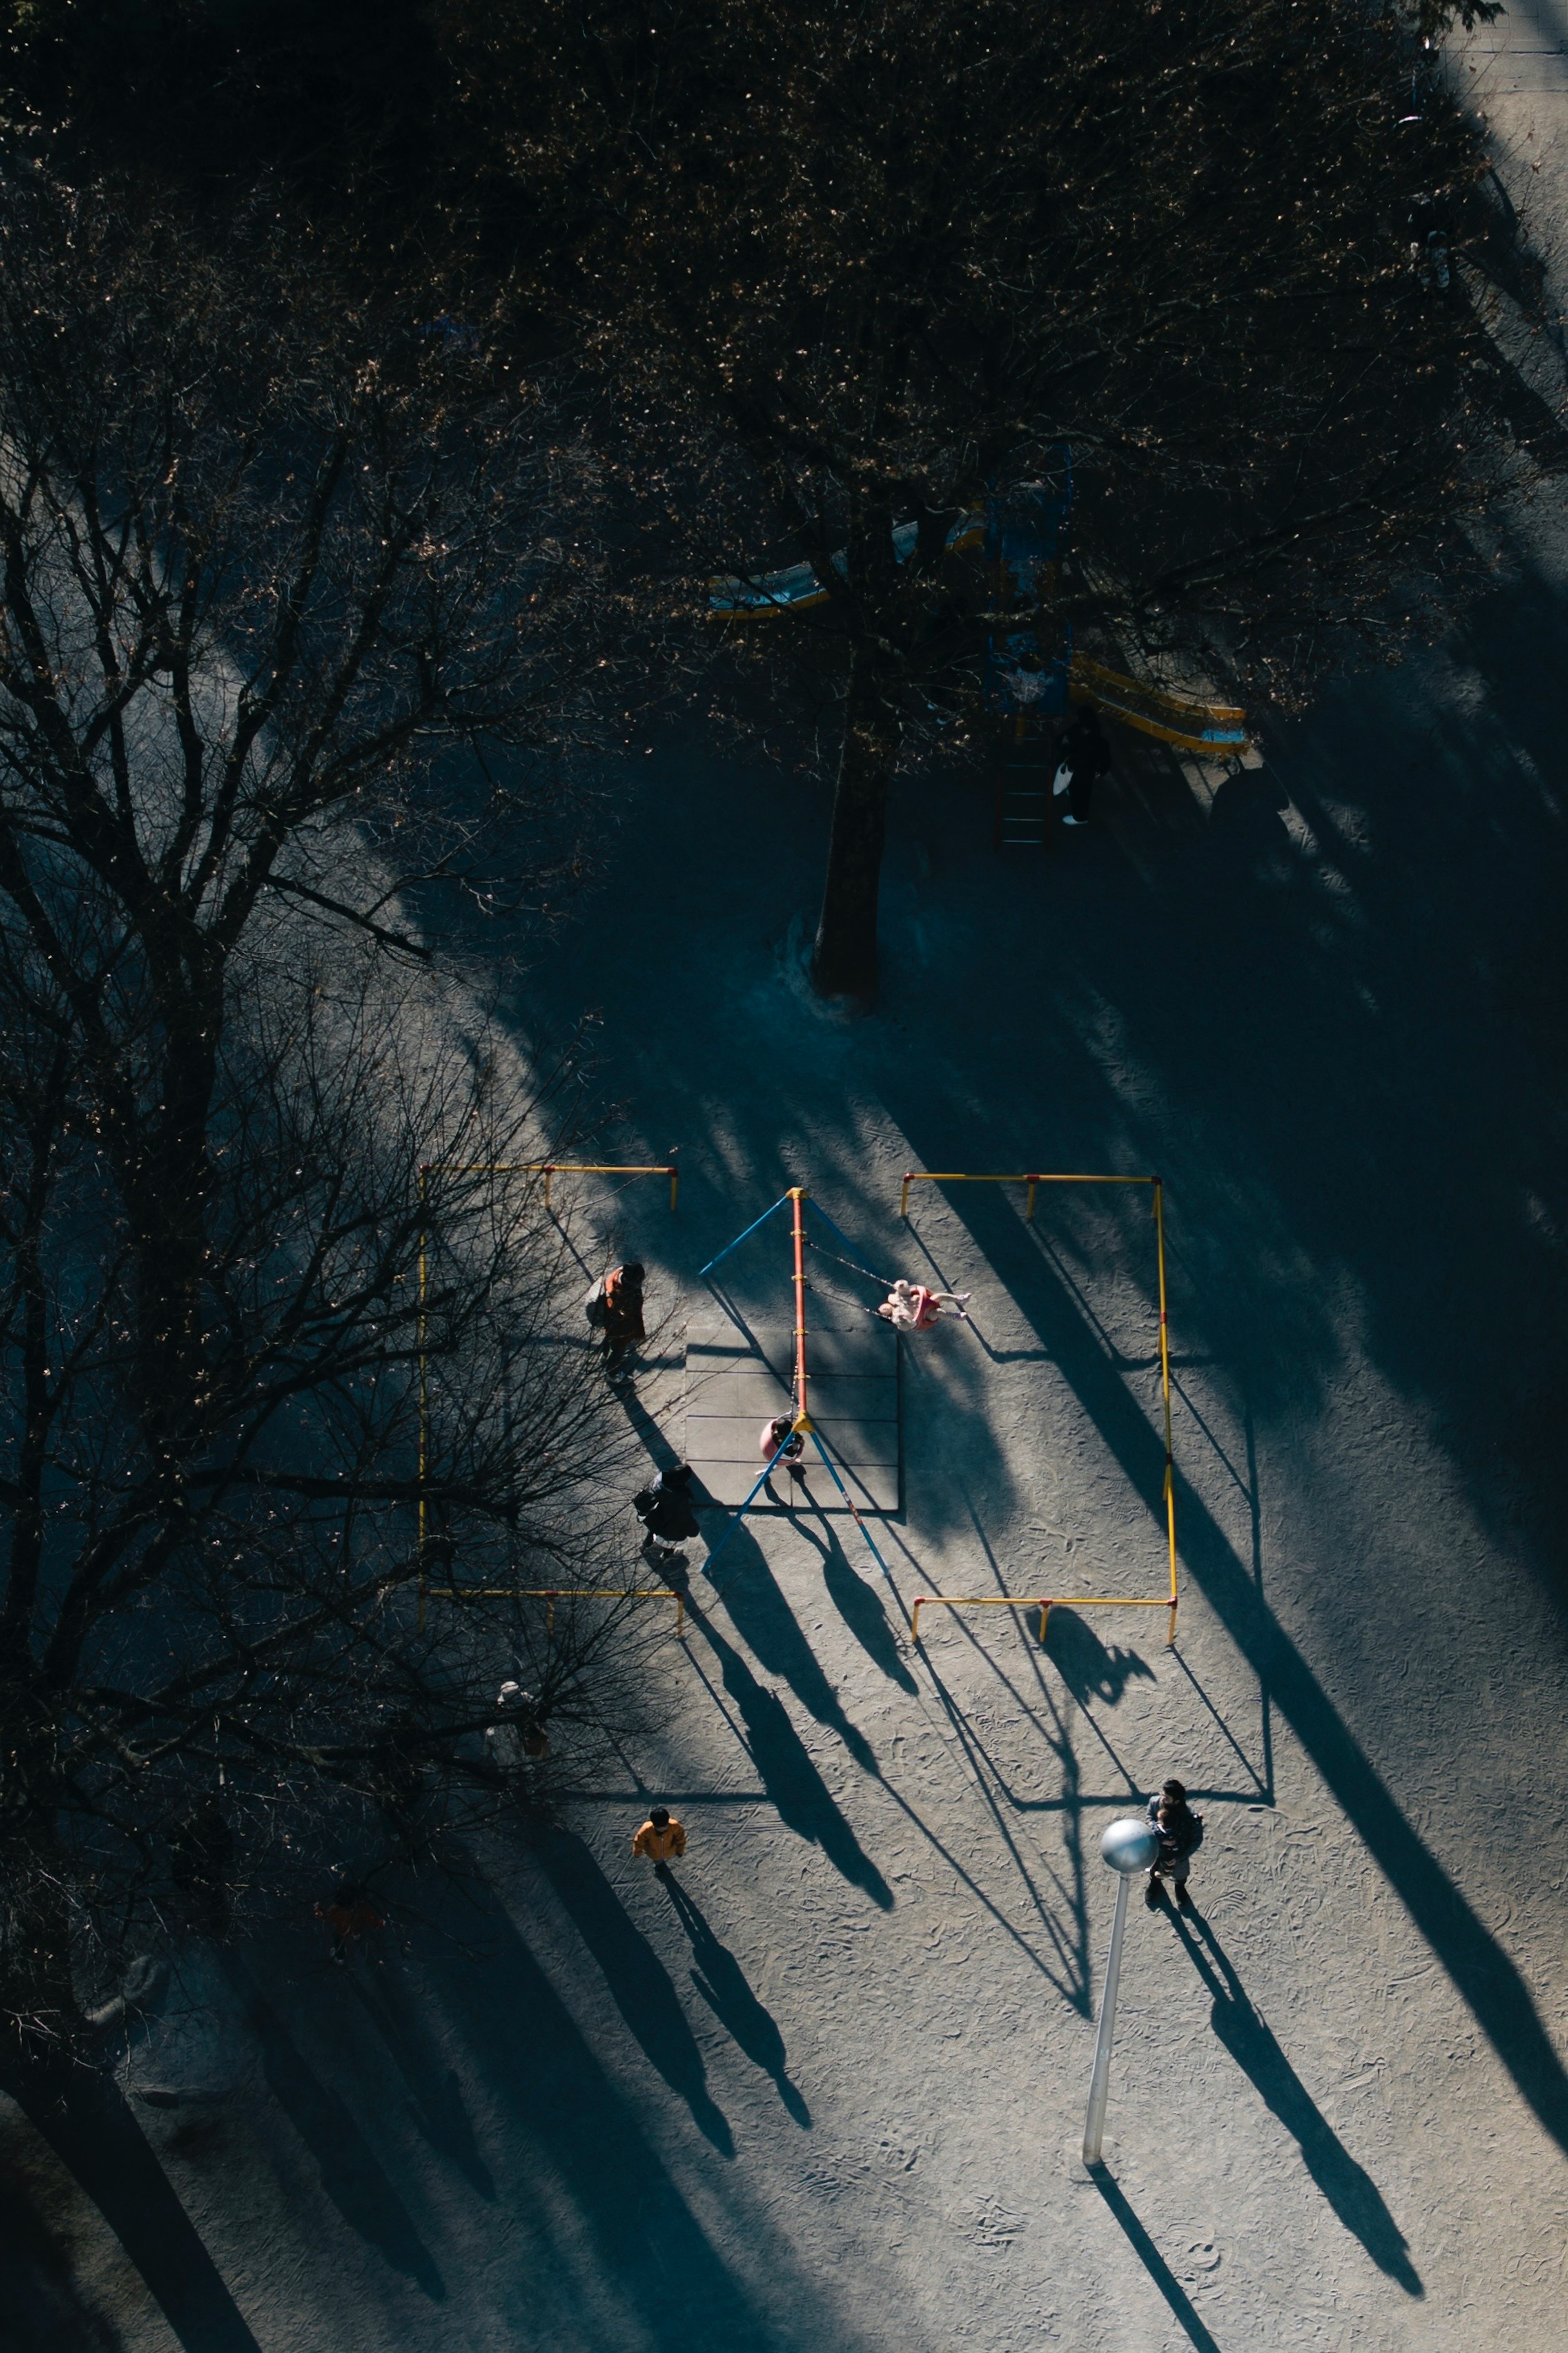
1129,1847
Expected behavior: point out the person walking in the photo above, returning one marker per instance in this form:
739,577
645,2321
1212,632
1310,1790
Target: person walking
665,1510
660,1837
614,1307
1181,1835
1086,756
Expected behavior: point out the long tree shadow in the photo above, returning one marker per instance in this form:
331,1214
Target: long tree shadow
720,1980
767,1625
436,2104
45,2311
351,2175
1068,1969
610,2252
1348,2187
1481,1969
84,2117
640,1983
805,1803
858,1604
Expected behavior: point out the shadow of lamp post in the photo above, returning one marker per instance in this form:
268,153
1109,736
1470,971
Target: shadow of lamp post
1129,1847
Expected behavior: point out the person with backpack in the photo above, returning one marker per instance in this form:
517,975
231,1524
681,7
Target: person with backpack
664,1508
614,1308
1181,1835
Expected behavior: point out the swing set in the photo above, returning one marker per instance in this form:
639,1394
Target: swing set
801,1425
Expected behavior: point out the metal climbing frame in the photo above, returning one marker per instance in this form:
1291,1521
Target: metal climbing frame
1046,1603
802,1424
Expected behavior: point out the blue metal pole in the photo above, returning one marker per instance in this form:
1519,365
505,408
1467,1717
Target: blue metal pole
740,1237
844,1239
767,1472
854,1513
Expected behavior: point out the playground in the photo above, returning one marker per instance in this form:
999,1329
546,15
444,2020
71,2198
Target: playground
825,2087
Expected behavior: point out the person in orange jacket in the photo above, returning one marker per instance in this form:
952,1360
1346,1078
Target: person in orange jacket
661,1836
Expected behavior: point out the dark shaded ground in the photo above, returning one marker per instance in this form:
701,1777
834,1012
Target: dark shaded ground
1333,1010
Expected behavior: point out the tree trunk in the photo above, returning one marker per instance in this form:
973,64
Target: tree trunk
843,961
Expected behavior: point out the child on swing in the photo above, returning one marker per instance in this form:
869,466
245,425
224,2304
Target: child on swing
913,1307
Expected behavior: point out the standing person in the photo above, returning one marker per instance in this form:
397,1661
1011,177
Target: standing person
614,1307
660,1837
1181,1835
1085,756
664,1508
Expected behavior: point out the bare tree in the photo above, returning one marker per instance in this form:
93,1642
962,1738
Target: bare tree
265,1374
871,267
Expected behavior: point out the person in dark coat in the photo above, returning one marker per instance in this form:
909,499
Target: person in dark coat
665,1510
1084,757
1181,1835
614,1307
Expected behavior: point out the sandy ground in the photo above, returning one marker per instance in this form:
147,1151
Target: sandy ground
824,2088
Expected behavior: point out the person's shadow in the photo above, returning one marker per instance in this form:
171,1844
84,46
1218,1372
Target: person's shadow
720,1980
436,2104
1348,2187
639,1984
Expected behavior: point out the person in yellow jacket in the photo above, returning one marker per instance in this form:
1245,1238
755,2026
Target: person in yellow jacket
661,1836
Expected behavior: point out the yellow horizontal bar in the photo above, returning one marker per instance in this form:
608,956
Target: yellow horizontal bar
1044,1602
552,1593
1041,1601
561,1167
969,1176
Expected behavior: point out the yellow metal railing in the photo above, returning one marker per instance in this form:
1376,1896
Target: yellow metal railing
1030,1179
554,1593
549,1168
1045,1603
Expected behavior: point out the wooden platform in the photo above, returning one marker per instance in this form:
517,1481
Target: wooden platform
738,1377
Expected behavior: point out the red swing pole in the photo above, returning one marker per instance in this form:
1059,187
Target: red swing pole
797,1204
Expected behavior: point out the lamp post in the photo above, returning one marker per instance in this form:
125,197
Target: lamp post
1129,1847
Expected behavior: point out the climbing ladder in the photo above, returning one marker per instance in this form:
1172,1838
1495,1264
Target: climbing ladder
1024,764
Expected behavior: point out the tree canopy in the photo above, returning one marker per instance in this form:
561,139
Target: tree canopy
873,267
